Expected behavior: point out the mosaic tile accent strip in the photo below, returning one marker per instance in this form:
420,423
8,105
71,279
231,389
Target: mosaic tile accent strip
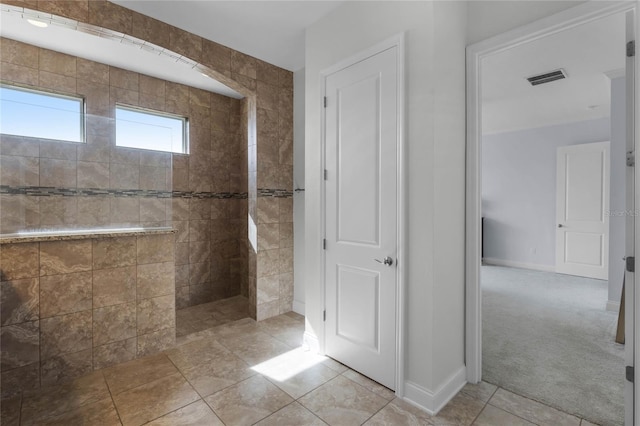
47,191
276,193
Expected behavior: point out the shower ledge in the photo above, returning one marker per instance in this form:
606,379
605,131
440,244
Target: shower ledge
80,234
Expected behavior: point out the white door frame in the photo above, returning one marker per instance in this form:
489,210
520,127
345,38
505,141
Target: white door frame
398,42
567,19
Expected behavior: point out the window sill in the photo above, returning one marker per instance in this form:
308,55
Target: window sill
81,234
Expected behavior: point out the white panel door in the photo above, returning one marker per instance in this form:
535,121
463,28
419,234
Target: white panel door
361,217
582,204
632,232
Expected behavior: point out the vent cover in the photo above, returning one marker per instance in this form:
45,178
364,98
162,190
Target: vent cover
547,77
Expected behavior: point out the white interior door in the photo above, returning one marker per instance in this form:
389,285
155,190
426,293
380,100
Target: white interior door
631,397
361,128
582,203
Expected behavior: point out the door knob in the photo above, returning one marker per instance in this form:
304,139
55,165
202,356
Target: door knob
387,261
560,225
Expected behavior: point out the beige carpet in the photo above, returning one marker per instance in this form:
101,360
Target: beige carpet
548,337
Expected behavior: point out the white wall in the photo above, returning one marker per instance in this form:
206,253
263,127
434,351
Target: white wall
519,190
435,138
298,196
490,18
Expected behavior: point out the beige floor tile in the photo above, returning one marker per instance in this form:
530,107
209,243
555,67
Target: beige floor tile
296,316
482,391
233,314
493,416
242,327
202,312
232,305
197,352
195,414
134,373
460,411
255,348
279,324
303,381
206,324
399,412
367,383
98,413
248,402
183,329
335,365
343,402
293,414
531,410
219,373
285,329
10,411
154,399
54,401
186,316
293,339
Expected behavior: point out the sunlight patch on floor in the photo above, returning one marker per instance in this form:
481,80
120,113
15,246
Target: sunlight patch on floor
289,364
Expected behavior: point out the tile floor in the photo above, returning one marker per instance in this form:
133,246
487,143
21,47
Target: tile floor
208,315
244,373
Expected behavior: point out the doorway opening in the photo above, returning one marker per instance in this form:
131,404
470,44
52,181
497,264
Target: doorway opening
542,334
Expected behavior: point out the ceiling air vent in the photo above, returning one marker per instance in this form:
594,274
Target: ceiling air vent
547,77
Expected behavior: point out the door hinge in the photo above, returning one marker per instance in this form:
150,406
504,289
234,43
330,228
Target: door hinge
324,244
325,101
630,373
631,264
631,158
324,317
325,174
631,49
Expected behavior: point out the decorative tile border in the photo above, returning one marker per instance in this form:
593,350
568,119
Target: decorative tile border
47,191
276,193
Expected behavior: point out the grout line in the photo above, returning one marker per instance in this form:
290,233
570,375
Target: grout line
111,395
480,412
20,412
373,415
274,412
518,415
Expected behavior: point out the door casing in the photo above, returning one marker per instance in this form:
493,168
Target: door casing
398,42
569,18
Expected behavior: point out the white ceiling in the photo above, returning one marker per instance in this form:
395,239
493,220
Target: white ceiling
585,52
273,31
108,51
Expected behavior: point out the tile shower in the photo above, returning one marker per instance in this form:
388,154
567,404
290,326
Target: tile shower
72,306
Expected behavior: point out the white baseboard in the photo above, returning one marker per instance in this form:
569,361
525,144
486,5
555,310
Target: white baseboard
433,402
298,307
613,306
512,264
310,342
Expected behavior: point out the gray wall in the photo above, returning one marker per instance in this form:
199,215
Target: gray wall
618,189
519,189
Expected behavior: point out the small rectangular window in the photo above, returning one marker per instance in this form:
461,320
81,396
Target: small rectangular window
157,131
37,114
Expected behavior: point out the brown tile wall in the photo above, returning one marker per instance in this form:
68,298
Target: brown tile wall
211,248
267,128
69,307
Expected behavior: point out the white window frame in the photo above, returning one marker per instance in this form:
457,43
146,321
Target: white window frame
162,114
37,91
